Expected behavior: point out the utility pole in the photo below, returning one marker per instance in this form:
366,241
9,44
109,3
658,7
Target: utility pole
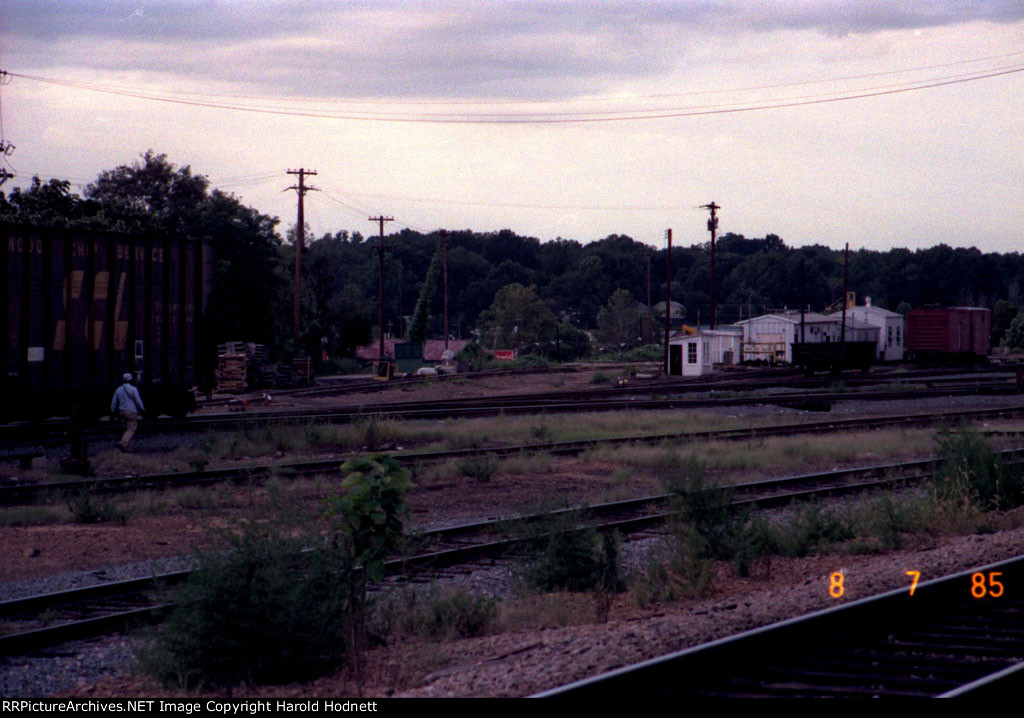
444,254
649,314
300,236
713,228
401,317
668,296
380,285
842,349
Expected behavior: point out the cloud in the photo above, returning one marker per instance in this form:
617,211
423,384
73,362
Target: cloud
412,48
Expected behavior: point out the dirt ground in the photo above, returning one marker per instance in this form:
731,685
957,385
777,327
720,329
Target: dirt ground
521,656
521,661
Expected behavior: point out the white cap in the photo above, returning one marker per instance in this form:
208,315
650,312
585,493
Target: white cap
126,376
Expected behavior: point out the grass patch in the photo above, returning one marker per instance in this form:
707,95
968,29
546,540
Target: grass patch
32,516
440,616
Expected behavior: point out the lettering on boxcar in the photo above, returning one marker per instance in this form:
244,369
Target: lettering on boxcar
120,325
100,287
76,278
19,244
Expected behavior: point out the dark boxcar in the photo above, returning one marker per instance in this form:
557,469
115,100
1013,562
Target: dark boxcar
81,308
833,356
950,334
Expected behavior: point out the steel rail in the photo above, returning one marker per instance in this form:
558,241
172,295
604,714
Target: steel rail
582,400
627,516
940,641
33,492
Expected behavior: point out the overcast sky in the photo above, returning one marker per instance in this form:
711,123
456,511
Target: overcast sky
880,124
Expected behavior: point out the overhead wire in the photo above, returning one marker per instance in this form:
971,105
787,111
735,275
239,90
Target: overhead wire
116,88
564,118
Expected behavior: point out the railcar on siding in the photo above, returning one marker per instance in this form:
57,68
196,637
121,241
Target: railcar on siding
81,308
952,335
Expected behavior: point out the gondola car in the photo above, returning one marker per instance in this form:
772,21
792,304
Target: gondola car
80,308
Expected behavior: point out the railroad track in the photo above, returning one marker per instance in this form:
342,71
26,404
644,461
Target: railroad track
959,635
26,493
107,608
663,394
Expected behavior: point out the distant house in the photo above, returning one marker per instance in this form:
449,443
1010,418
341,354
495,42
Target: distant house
432,349
891,328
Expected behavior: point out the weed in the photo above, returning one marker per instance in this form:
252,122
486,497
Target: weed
969,474
87,508
813,529
600,378
478,467
540,433
454,615
194,498
566,557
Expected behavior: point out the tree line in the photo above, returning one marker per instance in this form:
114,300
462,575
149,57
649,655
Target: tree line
505,289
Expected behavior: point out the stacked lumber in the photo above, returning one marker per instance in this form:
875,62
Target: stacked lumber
231,372
302,370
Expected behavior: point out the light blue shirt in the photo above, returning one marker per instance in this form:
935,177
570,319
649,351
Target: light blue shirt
127,398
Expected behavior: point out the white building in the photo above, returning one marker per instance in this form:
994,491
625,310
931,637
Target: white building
771,337
696,354
891,328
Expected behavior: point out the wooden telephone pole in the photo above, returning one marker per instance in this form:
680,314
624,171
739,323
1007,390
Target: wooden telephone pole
380,285
300,236
713,228
668,297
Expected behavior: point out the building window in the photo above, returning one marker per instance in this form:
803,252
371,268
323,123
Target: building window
890,336
691,353
898,336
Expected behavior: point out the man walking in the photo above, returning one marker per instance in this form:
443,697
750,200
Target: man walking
128,404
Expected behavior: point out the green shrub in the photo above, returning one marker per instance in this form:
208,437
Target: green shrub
600,378
276,602
250,615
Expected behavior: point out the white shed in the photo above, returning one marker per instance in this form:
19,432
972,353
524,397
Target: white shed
891,329
698,353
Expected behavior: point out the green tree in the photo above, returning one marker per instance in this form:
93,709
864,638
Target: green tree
152,195
1002,317
421,314
1014,336
518,318
619,323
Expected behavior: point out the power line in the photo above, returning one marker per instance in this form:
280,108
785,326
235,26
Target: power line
117,88
626,115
